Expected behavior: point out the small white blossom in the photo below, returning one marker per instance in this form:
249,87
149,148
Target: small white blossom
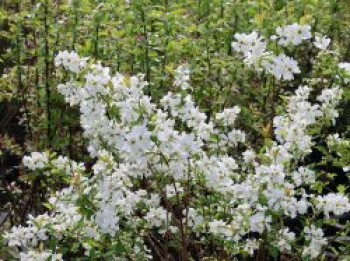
284,67
322,42
285,239
182,77
259,222
228,116
157,217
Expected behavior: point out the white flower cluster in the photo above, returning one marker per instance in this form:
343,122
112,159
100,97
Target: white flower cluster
346,68
70,60
40,256
36,160
316,239
293,34
62,222
67,165
168,168
26,236
228,116
339,145
336,203
182,77
282,67
40,161
254,51
285,240
156,217
291,130
251,45
329,99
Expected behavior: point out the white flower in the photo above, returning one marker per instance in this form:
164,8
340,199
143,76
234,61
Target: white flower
32,255
70,60
333,203
284,67
194,219
329,99
293,34
172,190
322,42
316,241
259,222
228,116
157,217
346,68
182,77
285,239
250,246
36,160
274,197
251,45
138,140
291,129
249,156
333,139
219,227
68,166
107,220
303,176
73,94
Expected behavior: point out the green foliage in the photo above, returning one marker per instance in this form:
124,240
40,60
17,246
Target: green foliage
154,37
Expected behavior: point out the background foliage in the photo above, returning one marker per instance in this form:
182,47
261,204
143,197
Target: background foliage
151,37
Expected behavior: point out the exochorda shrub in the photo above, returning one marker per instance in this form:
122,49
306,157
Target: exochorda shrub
169,182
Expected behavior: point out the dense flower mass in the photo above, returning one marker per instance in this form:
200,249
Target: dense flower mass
167,170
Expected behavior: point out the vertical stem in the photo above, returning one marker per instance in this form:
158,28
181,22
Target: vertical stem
145,36
97,28
222,9
75,25
118,59
167,33
19,74
272,115
47,74
37,72
70,130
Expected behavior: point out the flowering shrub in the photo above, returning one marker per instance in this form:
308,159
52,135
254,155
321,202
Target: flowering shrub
169,181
